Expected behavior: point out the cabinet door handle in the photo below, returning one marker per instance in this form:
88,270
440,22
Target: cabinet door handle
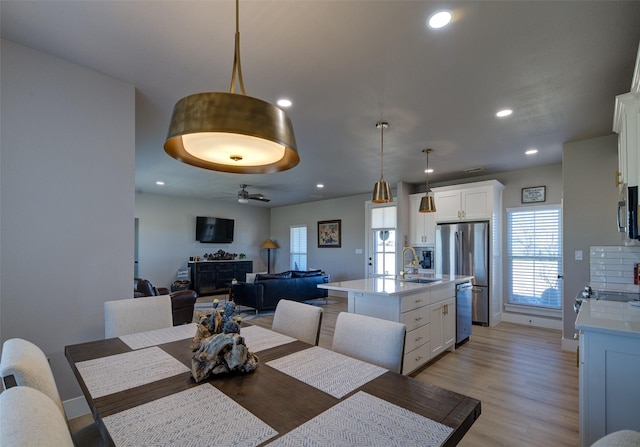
418,301
419,318
418,358
418,338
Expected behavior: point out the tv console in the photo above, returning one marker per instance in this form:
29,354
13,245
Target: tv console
213,277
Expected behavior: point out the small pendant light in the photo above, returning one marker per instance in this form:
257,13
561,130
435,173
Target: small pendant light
427,203
382,190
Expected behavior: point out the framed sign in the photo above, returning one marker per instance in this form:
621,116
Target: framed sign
534,194
329,233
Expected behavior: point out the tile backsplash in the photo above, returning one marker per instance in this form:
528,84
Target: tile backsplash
611,267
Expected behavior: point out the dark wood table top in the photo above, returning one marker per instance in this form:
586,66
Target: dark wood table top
279,400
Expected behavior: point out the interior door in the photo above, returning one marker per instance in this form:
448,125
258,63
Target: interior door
382,240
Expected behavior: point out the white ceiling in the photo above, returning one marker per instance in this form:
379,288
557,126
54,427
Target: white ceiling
348,64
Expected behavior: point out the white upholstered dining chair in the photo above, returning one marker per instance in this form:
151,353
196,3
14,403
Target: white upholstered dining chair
122,317
29,418
370,339
298,320
24,365
621,438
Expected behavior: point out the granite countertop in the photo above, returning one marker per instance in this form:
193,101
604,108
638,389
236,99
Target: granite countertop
609,317
390,285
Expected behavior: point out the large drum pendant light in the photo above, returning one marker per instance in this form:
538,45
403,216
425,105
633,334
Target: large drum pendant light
382,190
427,203
232,132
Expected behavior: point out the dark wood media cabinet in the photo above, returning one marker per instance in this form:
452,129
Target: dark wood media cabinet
213,277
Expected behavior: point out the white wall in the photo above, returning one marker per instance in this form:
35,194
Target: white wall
589,212
167,227
341,263
66,201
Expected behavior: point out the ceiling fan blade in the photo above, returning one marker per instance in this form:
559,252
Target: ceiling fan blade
259,197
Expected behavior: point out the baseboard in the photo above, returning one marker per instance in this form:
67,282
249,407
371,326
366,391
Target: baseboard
76,407
569,345
530,320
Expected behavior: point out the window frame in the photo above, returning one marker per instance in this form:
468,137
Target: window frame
539,260
294,255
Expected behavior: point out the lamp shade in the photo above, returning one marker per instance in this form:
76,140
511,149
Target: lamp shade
230,132
269,244
427,203
382,192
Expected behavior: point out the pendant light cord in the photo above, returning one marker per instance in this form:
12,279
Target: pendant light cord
382,125
237,65
381,151
427,171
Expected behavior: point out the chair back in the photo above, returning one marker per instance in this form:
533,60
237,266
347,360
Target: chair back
298,320
370,339
122,317
24,364
620,438
28,418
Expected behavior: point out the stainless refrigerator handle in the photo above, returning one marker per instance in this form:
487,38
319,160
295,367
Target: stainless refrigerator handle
460,254
621,205
458,251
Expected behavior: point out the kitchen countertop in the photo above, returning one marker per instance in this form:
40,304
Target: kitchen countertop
609,317
388,285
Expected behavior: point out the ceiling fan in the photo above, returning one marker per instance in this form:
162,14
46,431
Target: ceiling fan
244,196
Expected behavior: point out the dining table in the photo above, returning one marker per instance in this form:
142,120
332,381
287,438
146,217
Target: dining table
140,390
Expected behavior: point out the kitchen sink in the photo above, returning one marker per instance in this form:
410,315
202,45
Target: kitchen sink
420,280
607,295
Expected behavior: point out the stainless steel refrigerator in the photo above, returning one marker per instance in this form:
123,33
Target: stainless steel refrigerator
463,249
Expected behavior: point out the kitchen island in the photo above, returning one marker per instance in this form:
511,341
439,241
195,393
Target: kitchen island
426,304
609,362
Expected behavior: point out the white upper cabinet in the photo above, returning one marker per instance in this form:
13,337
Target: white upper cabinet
626,123
422,226
471,201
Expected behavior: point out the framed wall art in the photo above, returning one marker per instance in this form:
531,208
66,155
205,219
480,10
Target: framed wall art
329,233
534,194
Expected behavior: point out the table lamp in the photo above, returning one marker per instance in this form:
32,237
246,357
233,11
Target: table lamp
269,244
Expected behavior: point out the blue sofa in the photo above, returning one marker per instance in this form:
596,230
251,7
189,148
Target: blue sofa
267,289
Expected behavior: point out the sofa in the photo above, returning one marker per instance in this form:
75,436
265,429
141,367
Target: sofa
267,289
182,301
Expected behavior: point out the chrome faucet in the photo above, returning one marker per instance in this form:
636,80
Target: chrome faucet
415,261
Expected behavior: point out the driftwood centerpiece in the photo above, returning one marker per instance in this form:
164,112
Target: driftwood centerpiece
218,346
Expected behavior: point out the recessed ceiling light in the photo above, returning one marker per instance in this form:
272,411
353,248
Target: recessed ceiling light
160,183
531,151
284,103
319,185
504,112
428,171
440,19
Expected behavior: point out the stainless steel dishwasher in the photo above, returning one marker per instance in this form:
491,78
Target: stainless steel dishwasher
463,312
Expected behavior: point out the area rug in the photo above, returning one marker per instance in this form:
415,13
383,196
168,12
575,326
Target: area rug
205,304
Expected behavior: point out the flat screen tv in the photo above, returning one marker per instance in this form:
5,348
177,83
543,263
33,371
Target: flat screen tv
214,230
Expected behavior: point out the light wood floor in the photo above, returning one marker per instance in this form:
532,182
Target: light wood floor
527,385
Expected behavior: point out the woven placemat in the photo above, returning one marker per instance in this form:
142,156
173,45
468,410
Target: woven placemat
159,336
257,338
310,366
114,373
201,416
363,419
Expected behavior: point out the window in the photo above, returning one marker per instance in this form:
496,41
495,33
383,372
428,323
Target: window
534,239
298,247
383,240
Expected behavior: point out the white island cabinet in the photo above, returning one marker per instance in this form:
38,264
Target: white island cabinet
428,311
609,364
